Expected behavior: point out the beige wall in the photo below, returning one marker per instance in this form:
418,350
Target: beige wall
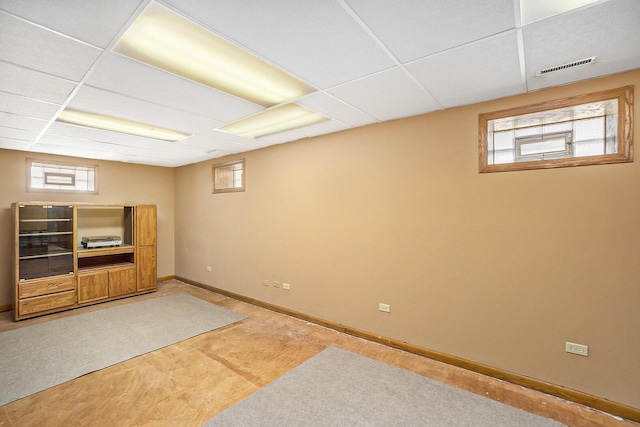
120,183
500,268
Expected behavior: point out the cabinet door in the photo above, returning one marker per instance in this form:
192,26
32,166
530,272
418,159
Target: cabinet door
146,262
145,225
93,286
122,281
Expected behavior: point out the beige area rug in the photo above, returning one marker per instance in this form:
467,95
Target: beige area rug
37,357
340,388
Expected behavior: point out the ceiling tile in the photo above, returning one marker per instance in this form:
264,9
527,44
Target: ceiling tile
335,108
487,69
13,144
317,41
611,29
322,128
33,47
215,140
33,84
386,96
95,22
18,134
103,136
413,29
20,105
17,121
103,102
118,74
69,147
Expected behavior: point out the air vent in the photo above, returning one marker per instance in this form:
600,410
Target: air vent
577,63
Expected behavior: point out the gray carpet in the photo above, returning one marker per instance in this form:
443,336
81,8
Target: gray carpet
37,357
340,388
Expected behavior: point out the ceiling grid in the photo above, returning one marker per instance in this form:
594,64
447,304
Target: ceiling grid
368,61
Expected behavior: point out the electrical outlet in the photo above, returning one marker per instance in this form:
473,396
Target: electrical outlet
276,284
266,282
579,349
208,268
384,307
286,286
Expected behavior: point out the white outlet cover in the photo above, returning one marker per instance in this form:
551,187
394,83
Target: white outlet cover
579,349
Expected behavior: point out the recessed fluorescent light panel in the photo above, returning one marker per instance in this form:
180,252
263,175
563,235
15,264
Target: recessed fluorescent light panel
115,124
537,10
274,120
166,40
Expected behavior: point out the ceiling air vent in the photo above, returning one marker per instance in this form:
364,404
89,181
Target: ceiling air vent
577,63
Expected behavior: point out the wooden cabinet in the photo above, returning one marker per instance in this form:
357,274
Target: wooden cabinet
53,271
146,251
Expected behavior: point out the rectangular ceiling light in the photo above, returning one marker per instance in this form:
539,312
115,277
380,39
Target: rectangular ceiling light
274,120
537,10
115,124
166,40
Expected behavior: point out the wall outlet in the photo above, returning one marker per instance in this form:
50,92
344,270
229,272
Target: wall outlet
579,349
384,307
276,284
286,286
266,282
208,268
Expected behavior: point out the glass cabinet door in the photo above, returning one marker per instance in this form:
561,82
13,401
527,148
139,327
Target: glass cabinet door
45,241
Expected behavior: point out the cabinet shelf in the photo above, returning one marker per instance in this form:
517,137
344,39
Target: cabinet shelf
95,252
44,233
46,220
54,253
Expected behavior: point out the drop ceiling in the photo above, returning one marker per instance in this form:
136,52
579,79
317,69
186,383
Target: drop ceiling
369,61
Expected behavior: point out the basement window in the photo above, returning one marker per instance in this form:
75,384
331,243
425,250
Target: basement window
228,177
61,178
584,130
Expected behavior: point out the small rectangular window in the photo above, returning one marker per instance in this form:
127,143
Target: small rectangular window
61,177
228,177
584,130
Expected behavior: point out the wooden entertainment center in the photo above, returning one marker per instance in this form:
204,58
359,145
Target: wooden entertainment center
54,272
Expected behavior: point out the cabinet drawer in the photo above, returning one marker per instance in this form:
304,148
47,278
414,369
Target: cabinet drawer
34,288
47,302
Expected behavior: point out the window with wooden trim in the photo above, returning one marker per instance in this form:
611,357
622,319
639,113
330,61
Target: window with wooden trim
228,177
61,178
583,130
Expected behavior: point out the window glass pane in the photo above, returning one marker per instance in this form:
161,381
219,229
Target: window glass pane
501,157
503,140
558,127
589,148
530,131
587,128
61,177
228,177
544,146
590,129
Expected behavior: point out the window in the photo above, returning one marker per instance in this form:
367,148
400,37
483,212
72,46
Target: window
228,177
584,130
62,178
